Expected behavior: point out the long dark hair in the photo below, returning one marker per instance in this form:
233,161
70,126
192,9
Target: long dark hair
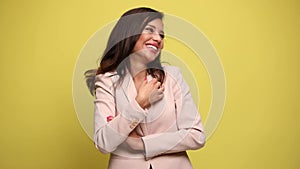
121,43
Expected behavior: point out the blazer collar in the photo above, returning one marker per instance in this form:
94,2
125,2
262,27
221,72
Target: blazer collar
124,84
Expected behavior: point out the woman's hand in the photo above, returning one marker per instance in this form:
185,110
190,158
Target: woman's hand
135,141
149,93
133,134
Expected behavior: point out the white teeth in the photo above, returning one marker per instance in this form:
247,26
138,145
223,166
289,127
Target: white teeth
153,47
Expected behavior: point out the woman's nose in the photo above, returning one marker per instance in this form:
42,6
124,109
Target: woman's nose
156,36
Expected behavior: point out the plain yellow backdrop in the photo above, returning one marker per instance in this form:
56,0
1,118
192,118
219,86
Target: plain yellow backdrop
258,44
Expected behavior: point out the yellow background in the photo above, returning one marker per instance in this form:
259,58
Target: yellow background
258,44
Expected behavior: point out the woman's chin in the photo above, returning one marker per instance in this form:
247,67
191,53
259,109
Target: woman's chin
151,56
148,56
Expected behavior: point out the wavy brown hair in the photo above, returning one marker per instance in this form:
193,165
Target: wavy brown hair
121,43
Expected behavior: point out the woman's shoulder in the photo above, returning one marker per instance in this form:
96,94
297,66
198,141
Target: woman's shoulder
173,74
107,74
172,70
105,77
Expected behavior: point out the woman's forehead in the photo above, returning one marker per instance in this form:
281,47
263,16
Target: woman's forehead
156,23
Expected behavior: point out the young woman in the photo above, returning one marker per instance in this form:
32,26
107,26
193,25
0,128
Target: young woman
145,116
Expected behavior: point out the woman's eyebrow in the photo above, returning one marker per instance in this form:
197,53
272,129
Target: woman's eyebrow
151,26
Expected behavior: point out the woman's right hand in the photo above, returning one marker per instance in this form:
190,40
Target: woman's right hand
149,93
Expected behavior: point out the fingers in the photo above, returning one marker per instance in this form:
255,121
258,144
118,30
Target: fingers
156,95
162,88
155,83
134,134
153,90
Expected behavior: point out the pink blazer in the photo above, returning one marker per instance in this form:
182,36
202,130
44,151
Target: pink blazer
168,128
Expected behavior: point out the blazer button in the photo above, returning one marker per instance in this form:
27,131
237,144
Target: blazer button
134,123
132,126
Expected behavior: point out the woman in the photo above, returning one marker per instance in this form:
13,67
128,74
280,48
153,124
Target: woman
144,113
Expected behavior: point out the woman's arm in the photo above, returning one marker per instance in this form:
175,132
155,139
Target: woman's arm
112,128
190,134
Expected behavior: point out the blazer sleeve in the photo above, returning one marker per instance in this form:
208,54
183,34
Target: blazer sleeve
112,128
190,134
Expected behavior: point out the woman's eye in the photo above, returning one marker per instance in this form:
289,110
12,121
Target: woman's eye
162,35
150,30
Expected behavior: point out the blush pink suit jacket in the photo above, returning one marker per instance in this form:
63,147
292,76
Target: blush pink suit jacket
168,128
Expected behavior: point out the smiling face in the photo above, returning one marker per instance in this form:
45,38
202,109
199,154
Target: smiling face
150,42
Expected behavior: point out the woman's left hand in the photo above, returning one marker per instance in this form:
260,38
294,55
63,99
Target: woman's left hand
135,141
149,93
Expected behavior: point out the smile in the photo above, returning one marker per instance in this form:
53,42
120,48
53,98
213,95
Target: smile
152,47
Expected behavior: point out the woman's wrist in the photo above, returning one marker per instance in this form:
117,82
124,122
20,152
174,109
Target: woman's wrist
143,104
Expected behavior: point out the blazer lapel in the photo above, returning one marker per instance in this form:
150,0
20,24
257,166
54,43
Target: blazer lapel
124,86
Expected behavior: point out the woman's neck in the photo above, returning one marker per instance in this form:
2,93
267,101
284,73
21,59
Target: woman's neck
137,69
138,73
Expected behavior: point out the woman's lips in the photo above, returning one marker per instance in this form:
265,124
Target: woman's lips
153,47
